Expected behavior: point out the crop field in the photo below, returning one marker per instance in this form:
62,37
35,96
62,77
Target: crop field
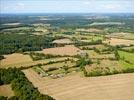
66,56
115,41
122,35
93,55
67,50
62,41
105,63
75,87
19,60
15,58
5,90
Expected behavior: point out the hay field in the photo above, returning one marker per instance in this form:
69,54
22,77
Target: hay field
62,41
5,90
15,58
115,41
18,60
74,87
66,50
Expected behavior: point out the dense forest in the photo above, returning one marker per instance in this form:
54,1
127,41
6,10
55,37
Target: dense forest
10,43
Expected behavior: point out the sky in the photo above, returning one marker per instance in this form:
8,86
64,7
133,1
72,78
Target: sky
66,6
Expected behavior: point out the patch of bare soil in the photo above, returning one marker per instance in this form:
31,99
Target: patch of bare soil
5,90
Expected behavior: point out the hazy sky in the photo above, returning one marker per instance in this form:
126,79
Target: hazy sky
66,6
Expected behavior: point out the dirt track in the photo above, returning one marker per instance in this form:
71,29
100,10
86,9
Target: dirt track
74,87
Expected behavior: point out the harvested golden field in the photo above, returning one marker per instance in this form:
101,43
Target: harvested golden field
15,58
62,41
66,50
29,63
5,90
74,87
115,41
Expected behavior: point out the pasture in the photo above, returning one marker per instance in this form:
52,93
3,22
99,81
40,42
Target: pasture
126,59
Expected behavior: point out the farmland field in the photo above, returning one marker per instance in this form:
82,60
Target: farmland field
115,41
24,60
62,41
14,59
75,87
127,59
66,56
93,54
5,90
67,50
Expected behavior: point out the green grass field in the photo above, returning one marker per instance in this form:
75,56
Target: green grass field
127,59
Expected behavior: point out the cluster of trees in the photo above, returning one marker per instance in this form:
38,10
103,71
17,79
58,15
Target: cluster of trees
100,71
10,43
79,43
39,56
117,56
23,89
82,62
